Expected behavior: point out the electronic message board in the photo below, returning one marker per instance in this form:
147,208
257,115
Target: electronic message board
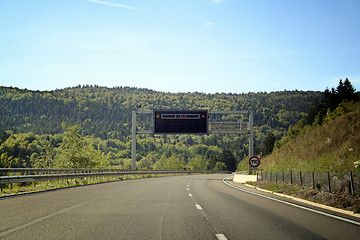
181,121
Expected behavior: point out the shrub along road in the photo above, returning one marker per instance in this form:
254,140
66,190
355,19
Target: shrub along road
179,207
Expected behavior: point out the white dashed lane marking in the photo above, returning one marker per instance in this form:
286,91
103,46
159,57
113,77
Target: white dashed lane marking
198,206
221,236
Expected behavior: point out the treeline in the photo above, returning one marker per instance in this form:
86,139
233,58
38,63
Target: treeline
106,112
325,140
32,133
331,104
330,100
72,150
66,150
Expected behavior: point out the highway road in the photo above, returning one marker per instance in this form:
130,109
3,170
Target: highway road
178,207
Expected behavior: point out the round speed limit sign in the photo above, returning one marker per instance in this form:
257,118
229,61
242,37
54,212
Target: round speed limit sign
254,161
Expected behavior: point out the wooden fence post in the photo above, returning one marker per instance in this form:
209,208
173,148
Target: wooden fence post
313,179
352,183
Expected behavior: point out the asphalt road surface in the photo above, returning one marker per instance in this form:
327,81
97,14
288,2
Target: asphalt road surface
180,207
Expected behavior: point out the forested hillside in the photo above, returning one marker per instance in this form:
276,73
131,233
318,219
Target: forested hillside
327,139
104,118
333,146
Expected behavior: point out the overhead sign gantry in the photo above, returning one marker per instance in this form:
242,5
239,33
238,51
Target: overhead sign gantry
180,122
192,122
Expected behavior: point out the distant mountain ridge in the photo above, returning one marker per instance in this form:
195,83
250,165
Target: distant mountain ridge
106,112
31,123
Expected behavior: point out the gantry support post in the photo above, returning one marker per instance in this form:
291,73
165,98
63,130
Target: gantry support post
251,136
133,138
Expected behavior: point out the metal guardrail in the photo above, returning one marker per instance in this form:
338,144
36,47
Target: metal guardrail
48,174
4,171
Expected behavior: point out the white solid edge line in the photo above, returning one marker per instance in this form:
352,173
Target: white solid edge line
221,236
295,205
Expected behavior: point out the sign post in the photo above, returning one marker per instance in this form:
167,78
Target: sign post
254,162
133,138
134,131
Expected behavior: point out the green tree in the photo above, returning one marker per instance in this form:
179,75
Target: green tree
173,163
268,144
228,158
196,163
147,161
220,166
75,152
331,99
6,161
314,110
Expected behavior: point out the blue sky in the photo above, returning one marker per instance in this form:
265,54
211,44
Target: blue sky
180,45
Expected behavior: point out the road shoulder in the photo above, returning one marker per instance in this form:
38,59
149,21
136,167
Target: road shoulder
240,182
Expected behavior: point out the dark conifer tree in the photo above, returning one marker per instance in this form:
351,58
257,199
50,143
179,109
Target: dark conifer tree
269,144
229,159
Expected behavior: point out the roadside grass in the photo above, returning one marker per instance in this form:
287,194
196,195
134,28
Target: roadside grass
16,188
283,188
332,147
341,200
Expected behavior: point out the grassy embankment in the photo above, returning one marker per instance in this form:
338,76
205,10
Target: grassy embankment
334,147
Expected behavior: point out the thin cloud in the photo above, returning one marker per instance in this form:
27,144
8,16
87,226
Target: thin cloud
208,24
114,5
217,1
